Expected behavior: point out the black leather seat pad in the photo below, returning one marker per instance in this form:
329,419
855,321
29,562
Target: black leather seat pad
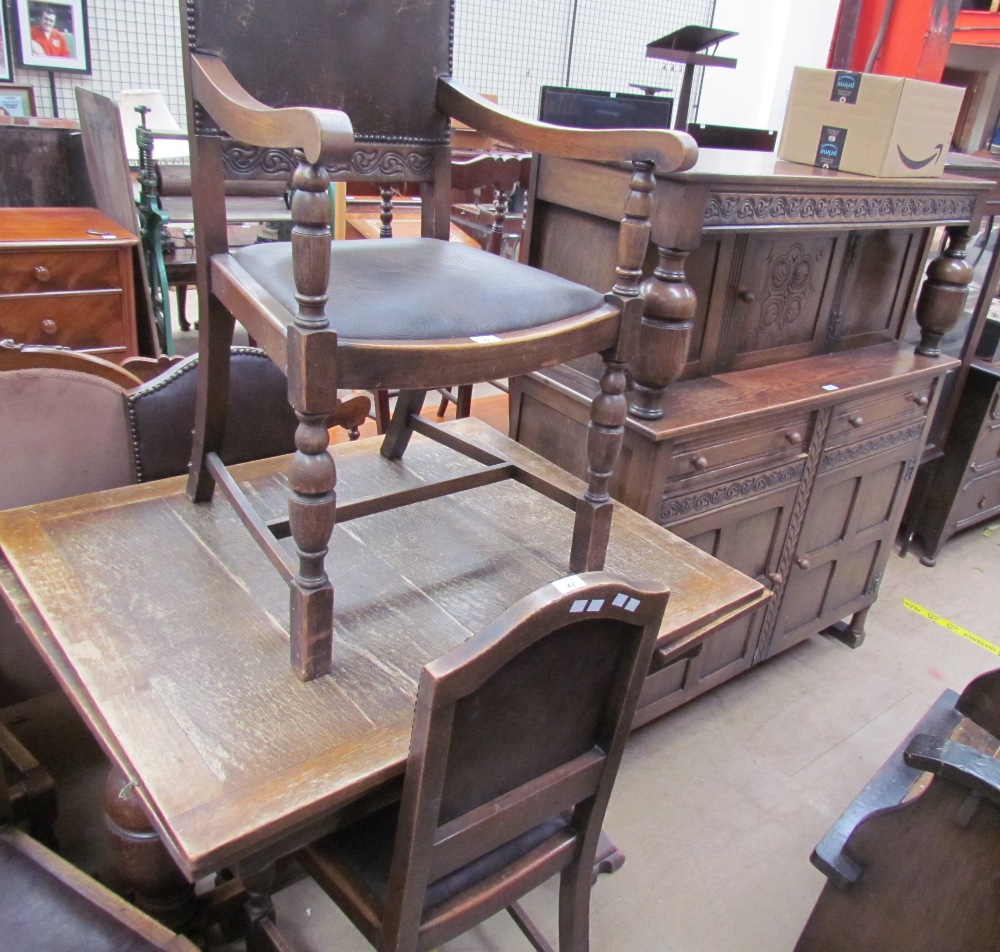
423,289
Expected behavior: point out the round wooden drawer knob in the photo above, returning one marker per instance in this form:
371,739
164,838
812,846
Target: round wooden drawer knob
803,564
50,327
794,437
775,578
921,401
42,273
856,421
747,297
699,462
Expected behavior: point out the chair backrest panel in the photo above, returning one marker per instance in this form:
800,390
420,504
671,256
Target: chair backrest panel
542,709
376,60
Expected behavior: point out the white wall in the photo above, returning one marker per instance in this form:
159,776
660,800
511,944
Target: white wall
775,36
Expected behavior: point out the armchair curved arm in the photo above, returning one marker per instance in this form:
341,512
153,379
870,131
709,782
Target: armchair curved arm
669,151
319,133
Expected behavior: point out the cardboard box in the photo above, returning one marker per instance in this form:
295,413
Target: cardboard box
866,123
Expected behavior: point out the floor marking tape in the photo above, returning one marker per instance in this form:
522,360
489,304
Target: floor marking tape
951,626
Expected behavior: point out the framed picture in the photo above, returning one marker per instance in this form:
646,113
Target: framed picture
52,34
17,101
6,70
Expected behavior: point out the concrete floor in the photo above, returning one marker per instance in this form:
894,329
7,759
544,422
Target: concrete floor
718,804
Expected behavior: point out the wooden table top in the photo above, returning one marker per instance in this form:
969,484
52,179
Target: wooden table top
164,622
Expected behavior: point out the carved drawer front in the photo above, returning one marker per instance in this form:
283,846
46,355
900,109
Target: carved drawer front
978,498
79,321
902,409
987,452
754,445
44,271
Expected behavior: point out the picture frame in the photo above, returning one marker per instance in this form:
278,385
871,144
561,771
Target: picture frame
18,101
6,68
52,35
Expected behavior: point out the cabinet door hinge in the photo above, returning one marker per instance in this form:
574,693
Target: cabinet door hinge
874,584
911,469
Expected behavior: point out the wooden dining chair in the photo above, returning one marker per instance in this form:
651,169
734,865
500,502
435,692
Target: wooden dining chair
364,91
517,738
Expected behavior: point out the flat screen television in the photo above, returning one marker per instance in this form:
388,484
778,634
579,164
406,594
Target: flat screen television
593,109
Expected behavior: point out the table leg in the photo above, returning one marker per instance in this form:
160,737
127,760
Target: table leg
145,868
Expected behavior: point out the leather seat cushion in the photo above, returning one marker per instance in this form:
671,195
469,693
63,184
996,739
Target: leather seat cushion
364,851
423,289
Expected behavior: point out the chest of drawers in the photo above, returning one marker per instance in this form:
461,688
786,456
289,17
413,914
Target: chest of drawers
66,279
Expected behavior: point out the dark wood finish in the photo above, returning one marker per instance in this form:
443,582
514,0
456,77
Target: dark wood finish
786,379
42,161
67,279
962,489
910,863
956,488
517,738
381,119
221,778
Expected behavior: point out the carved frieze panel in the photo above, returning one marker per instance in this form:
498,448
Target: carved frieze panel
736,490
877,444
381,163
740,208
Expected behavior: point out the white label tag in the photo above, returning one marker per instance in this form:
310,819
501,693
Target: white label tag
829,386
569,584
484,339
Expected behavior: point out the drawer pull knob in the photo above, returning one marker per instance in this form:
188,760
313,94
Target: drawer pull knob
982,503
42,273
50,327
922,400
803,564
794,437
699,462
775,578
747,297
856,421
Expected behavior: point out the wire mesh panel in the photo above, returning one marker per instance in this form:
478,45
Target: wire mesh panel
510,48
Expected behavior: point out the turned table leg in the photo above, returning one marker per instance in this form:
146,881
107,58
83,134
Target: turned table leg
141,862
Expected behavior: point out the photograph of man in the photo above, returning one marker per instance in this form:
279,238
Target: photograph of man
46,40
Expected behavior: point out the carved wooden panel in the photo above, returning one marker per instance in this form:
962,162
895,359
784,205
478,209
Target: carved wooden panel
777,291
844,543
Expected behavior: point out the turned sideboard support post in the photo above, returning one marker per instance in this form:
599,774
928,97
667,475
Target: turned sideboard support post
312,478
606,430
945,288
665,333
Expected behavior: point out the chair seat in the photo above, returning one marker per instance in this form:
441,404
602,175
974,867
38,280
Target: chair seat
422,289
363,851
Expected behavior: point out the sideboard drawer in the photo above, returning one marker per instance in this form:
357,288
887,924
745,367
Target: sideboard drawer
79,321
47,270
874,414
757,445
977,500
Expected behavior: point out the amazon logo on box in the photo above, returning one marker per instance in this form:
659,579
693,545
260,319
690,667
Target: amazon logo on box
869,124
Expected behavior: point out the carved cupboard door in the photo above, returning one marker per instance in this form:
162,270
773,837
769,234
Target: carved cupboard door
846,537
749,537
779,298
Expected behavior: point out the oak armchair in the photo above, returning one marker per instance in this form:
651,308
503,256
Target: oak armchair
408,314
